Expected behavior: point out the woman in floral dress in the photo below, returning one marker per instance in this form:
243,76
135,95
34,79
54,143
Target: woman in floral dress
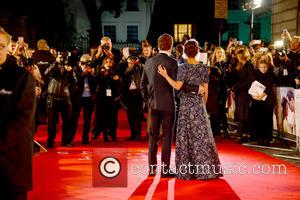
196,155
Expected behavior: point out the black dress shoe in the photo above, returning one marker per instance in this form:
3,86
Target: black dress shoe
167,175
151,174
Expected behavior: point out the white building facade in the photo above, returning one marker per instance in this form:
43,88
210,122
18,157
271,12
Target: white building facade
285,15
132,25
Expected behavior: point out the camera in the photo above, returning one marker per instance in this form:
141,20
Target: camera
133,54
133,57
89,63
105,47
64,58
281,53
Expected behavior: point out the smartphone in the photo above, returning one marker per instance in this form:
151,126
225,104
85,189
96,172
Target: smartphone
263,49
20,39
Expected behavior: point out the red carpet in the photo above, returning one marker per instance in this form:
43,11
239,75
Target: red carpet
66,173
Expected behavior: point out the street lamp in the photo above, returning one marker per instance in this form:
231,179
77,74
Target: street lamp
252,5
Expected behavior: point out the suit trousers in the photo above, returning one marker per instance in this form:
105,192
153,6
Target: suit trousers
165,119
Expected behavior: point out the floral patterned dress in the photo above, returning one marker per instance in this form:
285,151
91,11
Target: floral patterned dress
196,154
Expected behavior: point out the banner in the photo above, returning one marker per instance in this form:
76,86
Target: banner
286,115
284,118
297,112
221,8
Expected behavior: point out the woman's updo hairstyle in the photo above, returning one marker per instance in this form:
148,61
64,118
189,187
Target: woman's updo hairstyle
191,48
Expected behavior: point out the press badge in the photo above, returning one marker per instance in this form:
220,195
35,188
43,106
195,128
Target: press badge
108,92
285,72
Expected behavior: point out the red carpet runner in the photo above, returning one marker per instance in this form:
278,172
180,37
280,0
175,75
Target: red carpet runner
66,173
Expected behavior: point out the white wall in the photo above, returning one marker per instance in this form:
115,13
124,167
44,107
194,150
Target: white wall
284,15
141,18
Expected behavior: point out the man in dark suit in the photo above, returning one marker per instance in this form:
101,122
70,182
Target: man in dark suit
159,95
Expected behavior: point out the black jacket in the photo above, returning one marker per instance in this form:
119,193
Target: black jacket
155,89
79,86
134,75
267,79
61,81
17,103
107,79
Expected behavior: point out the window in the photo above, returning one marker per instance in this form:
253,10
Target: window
233,30
180,30
132,5
132,34
110,31
235,4
256,30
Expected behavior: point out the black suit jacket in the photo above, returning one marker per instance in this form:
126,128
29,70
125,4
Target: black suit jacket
79,87
155,89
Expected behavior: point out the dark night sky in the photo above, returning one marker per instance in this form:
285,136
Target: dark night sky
47,16
44,16
168,12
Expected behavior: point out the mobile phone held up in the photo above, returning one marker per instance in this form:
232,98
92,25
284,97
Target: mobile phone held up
21,39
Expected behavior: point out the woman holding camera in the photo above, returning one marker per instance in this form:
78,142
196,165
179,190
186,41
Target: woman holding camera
108,84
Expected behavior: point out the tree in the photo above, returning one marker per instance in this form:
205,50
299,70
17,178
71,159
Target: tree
95,15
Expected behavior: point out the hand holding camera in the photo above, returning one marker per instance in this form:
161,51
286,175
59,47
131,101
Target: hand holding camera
285,34
89,69
68,68
21,45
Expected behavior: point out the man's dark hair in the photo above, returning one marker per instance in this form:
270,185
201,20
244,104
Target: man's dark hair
165,42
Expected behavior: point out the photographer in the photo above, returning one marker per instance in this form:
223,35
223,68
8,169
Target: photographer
43,59
108,85
83,96
285,70
61,80
294,56
132,97
105,50
20,52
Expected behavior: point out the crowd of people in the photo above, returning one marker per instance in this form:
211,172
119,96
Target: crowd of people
172,85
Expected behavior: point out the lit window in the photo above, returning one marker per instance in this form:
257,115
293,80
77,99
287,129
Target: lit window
180,30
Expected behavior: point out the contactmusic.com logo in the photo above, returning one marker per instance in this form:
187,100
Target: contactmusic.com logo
109,167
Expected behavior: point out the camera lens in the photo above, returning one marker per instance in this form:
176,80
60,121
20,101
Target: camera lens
105,47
